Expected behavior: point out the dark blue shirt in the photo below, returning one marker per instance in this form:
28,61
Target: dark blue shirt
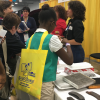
1,21
31,24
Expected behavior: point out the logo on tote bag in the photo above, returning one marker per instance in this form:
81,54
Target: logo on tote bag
26,70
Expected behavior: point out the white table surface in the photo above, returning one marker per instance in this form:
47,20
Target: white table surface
63,94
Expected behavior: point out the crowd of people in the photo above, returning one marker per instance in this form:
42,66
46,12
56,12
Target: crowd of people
60,36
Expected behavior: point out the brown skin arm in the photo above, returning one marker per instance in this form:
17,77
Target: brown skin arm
2,75
67,57
19,54
72,42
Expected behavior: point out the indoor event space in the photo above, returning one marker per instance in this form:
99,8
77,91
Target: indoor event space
49,50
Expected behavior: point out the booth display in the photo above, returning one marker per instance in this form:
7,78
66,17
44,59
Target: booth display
91,33
63,94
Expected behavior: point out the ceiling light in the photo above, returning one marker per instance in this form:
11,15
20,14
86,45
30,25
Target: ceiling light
16,12
12,5
16,3
20,0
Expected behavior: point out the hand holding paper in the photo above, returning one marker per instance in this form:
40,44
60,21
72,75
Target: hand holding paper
2,34
20,31
27,30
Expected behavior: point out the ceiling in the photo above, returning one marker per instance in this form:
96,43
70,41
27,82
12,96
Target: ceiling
25,2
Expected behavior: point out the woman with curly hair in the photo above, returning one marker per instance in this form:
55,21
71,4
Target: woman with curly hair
61,20
75,29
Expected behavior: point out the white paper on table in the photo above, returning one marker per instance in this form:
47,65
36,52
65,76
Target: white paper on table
62,84
82,65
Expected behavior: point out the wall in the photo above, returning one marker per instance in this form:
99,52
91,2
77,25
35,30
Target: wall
34,6
17,8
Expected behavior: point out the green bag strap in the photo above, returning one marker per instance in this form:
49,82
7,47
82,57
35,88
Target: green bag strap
41,42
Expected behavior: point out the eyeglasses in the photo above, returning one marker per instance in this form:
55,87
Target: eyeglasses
25,11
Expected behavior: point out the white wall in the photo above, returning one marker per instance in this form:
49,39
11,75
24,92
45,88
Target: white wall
34,6
16,8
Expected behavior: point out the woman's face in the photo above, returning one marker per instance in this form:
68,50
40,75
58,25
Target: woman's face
70,12
8,10
25,13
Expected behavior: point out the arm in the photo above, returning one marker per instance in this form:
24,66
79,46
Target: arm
33,23
2,75
19,54
72,42
2,70
55,45
67,57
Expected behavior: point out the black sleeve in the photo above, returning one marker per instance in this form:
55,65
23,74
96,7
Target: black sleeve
14,45
78,30
33,28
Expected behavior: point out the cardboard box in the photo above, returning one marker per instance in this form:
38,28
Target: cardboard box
70,71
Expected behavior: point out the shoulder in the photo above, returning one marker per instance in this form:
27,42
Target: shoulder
78,22
60,20
55,44
8,35
31,18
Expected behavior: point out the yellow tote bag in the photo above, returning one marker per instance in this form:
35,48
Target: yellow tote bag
31,69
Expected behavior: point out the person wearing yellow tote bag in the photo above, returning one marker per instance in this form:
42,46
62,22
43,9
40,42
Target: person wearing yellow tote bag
51,43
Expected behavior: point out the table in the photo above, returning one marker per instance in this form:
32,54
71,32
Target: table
63,94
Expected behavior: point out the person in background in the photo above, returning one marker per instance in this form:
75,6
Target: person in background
61,20
31,24
14,45
5,8
47,20
75,29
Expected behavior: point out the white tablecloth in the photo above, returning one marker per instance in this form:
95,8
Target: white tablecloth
63,94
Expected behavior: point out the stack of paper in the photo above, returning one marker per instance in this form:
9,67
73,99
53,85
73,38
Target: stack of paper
79,80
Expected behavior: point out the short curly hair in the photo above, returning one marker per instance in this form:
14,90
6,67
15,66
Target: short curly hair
78,9
10,20
62,13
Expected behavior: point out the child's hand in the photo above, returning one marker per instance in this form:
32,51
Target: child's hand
64,41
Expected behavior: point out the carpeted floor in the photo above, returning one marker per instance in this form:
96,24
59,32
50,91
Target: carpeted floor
95,64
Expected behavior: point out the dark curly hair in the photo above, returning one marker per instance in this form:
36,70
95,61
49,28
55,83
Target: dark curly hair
26,8
61,12
10,20
78,9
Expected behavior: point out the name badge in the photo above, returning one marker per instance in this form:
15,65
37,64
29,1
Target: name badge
26,37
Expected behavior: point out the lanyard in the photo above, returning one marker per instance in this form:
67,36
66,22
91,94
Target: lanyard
26,20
